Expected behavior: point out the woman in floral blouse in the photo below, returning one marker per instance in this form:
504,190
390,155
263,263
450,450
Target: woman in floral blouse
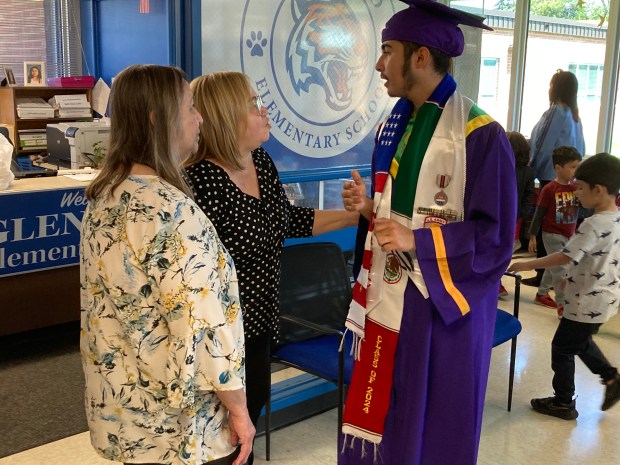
236,183
162,340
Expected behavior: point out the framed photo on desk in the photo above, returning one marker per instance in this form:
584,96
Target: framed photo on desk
10,77
34,73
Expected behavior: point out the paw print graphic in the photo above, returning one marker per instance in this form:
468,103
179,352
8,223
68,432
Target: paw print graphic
256,43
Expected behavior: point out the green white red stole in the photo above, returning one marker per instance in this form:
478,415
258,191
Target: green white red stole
378,295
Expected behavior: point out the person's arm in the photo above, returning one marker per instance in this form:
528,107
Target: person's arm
322,220
528,194
537,220
331,220
241,427
462,262
549,261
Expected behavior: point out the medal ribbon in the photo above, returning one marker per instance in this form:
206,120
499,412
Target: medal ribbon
443,180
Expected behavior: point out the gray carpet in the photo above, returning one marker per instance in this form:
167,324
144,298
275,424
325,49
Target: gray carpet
41,388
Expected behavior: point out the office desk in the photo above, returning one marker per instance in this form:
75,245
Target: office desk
39,252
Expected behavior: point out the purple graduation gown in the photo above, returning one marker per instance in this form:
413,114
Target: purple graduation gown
442,358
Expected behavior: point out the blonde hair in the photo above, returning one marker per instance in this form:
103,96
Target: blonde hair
145,107
222,99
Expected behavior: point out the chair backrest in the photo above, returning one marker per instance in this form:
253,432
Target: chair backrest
5,132
344,238
315,286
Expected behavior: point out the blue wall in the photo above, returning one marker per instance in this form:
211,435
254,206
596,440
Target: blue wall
116,35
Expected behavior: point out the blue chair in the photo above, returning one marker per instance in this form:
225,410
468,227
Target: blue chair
315,293
507,328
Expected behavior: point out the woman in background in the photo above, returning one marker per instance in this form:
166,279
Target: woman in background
559,126
162,338
237,185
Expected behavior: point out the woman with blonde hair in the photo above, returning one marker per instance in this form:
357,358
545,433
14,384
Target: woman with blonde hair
237,185
162,339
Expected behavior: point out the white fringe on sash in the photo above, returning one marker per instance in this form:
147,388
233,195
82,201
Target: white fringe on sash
352,439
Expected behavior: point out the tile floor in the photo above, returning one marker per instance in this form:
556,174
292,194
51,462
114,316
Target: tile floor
520,437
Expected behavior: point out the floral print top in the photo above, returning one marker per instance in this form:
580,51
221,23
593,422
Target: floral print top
161,326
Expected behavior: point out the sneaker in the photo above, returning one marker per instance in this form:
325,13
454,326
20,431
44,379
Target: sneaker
502,290
612,393
560,312
534,281
548,406
545,301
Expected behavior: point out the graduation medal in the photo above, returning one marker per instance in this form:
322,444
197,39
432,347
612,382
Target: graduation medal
441,198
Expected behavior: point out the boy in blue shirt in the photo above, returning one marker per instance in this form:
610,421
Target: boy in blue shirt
592,290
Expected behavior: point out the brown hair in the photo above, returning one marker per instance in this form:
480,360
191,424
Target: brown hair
441,61
144,109
563,89
564,154
222,99
520,148
602,169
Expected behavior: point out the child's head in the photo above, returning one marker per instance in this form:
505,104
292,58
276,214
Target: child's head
565,161
520,148
601,170
565,154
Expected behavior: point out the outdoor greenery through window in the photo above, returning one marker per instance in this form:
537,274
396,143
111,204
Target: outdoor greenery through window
574,30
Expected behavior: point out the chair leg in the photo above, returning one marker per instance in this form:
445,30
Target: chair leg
340,393
268,425
513,353
340,404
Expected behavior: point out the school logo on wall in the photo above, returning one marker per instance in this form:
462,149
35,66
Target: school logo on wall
313,64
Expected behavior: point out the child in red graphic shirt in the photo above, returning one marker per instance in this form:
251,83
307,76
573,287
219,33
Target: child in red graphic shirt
556,210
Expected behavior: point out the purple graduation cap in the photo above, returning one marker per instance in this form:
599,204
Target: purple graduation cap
432,24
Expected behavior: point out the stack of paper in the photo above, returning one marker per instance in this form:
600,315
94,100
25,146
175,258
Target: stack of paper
33,107
32,139
71,106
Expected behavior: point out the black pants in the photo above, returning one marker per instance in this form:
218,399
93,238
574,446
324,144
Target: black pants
570,339
257,376
228,460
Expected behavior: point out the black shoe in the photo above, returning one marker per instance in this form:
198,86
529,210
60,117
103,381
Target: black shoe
534,281
548,406
612,393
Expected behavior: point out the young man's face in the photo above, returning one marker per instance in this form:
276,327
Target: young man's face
390,66
566,173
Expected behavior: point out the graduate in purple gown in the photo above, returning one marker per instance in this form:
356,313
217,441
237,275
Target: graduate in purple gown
440,234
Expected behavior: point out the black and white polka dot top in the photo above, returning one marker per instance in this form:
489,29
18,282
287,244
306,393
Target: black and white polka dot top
253,231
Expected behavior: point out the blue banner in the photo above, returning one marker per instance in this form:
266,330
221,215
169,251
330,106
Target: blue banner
40,230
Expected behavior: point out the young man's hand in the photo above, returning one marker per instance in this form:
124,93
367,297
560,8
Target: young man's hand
392,235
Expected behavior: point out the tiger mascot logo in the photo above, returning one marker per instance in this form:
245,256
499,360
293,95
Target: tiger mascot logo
326,49
312,62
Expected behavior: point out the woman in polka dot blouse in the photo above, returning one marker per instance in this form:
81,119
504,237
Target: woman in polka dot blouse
236,184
